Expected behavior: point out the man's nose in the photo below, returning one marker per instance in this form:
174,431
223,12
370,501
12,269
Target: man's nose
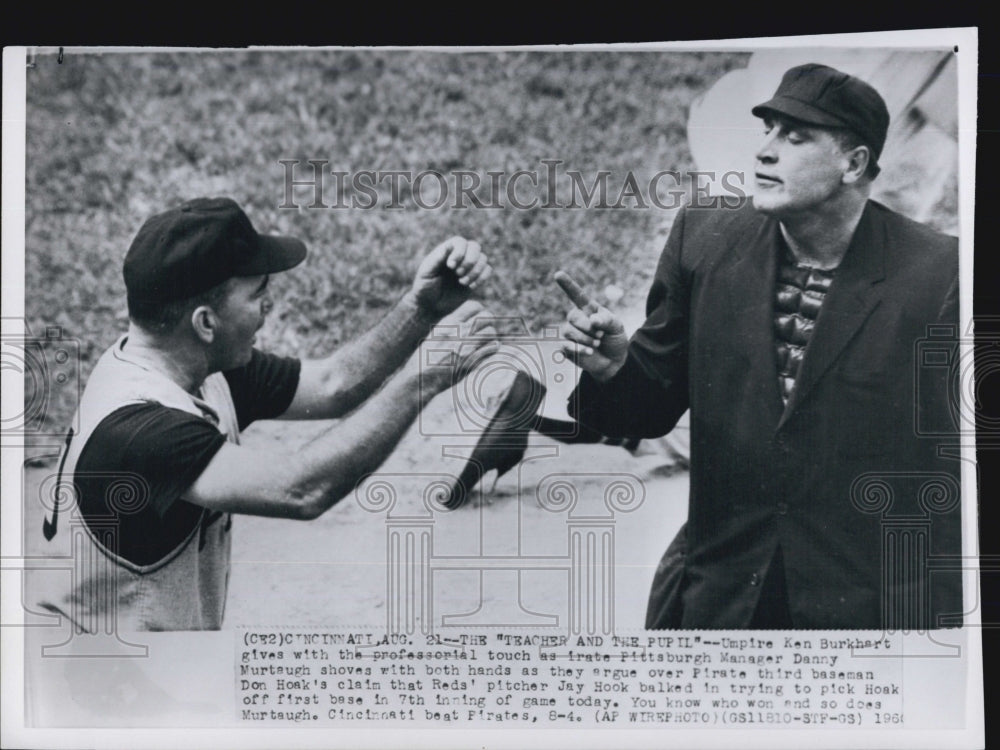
767,151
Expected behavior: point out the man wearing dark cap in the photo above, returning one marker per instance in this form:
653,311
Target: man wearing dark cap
156,466
790,326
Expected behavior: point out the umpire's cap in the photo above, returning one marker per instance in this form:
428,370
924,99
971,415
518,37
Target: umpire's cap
190,249
820,95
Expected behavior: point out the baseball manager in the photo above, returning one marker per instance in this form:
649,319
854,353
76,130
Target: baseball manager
164,407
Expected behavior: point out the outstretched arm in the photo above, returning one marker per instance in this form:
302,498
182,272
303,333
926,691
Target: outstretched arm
274,481
332,387
636,387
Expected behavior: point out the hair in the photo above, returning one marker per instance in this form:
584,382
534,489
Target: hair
163,318
847,139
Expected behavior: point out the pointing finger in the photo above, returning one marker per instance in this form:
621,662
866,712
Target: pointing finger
574,291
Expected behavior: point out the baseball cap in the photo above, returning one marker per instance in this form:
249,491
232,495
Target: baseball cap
189,249
820,95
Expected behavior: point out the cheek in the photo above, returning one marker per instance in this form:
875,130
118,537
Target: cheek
247,321
815,177
827,167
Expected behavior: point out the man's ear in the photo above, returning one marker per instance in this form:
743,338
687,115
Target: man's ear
857,164
204,323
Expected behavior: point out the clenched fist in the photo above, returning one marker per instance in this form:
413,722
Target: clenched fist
449,274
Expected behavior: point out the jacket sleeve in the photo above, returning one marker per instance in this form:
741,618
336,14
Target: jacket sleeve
650,393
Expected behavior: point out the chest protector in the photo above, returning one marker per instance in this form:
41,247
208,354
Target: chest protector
186,589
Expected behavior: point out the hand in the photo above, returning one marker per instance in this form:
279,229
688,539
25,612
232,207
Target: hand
458,343
449,273
598,341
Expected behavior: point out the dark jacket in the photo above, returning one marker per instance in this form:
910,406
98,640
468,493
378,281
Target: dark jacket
844,478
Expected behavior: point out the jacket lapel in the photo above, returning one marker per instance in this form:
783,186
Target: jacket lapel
852,297
749,283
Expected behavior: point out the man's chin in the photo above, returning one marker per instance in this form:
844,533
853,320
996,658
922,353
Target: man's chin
766,205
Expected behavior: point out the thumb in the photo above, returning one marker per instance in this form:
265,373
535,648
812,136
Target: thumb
433,260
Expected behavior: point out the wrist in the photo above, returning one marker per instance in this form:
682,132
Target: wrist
608,373
418,312
425,379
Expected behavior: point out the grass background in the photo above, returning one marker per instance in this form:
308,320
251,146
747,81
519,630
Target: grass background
113,138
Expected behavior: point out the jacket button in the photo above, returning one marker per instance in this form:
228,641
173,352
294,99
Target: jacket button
782,508
754,579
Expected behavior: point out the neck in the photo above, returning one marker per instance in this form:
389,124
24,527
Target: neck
820,238
183,364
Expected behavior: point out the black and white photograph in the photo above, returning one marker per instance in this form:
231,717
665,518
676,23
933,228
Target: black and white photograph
515,396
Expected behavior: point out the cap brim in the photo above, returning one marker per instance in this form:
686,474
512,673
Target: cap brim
281,253
798,110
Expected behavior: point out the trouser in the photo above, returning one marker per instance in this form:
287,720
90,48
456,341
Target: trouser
772,610
665,609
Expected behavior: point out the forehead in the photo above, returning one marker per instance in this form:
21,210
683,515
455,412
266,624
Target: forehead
790,123
247,283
